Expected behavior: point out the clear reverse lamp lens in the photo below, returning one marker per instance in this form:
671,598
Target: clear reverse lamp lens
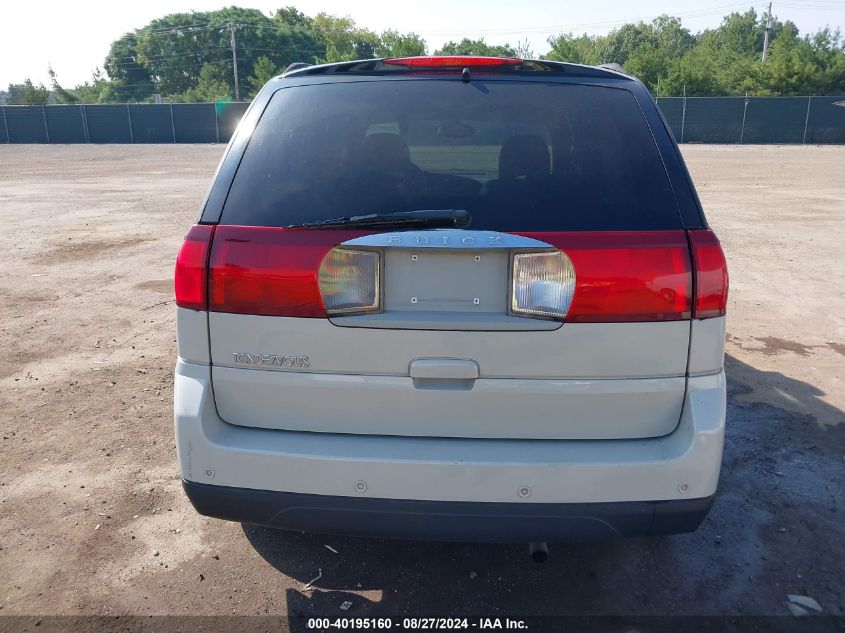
543,284
349,281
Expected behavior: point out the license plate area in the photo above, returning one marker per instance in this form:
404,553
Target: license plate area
446,281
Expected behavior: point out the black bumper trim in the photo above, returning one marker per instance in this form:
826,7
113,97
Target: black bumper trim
447,520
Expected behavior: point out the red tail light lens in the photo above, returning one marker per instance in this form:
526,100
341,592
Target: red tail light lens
627,276
711,275
190,277
462,61
269,271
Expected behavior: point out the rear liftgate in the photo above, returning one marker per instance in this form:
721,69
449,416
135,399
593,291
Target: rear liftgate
451,333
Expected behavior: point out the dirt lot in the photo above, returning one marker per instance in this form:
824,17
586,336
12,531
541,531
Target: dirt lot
92,516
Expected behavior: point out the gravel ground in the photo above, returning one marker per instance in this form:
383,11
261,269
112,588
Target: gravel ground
92,517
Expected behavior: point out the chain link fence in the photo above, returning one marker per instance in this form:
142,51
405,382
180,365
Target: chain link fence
121,123
755,119
691,119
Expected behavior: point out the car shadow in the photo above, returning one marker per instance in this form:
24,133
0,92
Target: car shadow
776,528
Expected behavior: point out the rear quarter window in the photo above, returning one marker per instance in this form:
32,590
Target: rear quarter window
518,155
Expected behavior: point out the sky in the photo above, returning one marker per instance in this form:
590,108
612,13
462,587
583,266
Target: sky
74,37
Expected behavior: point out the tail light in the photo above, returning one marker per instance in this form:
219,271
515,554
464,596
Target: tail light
592,278
190,276
711,275
269,271
461,61
626,276
543,284
349,281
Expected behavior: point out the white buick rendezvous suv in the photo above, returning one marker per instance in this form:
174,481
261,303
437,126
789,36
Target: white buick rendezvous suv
456,298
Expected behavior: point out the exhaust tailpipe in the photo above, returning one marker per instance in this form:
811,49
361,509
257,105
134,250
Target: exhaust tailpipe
539,551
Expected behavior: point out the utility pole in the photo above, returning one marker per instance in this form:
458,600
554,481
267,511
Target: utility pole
766,35
235,59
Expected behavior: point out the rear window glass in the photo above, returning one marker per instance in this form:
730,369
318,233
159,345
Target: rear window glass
519,156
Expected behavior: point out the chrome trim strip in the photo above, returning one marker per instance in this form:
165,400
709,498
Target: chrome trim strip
445,239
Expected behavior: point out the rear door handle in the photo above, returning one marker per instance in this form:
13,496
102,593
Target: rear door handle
444,369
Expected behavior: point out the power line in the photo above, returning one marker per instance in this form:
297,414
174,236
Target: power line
824,3
271,24
807,7
186,28
164,56
167,55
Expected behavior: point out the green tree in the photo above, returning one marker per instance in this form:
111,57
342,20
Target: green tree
671,37
741,33
523,49
98,90
343,40
174,49
131,77
804,65
61,95
30,94
188,56
648,63
211,86
263,72
697,72
395,44
476,47
298,42
168,54
13,94
618,46
829,51
575,50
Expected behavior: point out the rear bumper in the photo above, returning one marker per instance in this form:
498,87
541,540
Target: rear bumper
447,520
284,476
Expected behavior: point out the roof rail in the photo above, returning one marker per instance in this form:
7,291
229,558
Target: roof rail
295,66
614,67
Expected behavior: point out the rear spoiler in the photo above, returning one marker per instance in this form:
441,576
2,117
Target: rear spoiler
387,66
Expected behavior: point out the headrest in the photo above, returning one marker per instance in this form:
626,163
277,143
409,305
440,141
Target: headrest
524,156
386,152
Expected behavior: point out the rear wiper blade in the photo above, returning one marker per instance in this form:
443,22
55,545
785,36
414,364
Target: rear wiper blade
459,218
